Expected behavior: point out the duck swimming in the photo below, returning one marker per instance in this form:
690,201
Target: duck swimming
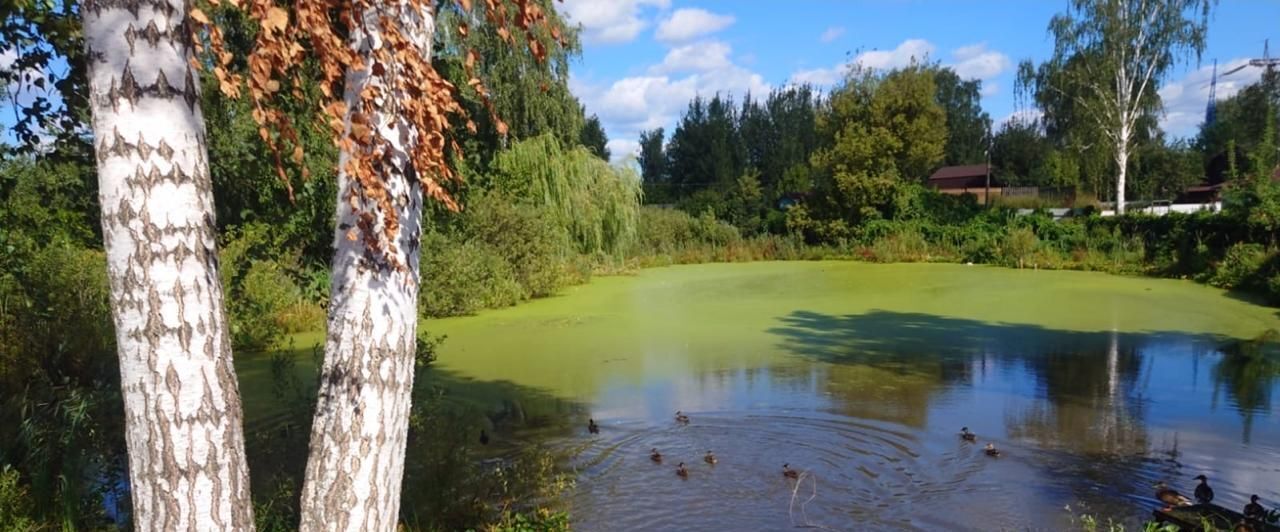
967,436
592,427
1253,510
1170,497
1204,494
681,471
710,458
681,418
655,455
788,472
991,450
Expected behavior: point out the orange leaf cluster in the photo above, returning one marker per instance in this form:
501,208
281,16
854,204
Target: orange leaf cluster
401,83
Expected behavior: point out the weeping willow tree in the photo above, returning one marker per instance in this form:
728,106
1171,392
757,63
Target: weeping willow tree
596,203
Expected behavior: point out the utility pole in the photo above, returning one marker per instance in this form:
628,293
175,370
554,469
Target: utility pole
986,196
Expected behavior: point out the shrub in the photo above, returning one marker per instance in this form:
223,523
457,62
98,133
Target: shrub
536,250
15,504
461,278
1018,246
266,306
1240,267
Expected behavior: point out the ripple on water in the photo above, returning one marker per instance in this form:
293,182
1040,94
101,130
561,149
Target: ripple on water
856,474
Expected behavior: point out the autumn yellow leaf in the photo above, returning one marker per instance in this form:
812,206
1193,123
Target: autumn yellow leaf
276,19
197,15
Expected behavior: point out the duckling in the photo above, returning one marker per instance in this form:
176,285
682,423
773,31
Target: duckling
655,455
1170,497
788,472
967,436
710,458
1243,526
1204,494
991,450
592,427
1253,510
484,437
681,471
681,418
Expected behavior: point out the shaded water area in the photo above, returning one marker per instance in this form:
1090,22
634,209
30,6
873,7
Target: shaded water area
861,375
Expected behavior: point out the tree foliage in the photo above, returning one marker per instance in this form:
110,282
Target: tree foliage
1109,59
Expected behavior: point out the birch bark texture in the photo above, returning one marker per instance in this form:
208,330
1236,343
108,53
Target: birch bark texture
183,420
358,437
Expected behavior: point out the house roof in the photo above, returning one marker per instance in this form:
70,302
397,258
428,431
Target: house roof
967,176
960,172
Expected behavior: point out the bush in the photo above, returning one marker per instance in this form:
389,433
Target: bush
1240,267
1018,245
61,428
264,301
536,250
266,306
460,278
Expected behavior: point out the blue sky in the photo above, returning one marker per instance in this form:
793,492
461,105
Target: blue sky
644,59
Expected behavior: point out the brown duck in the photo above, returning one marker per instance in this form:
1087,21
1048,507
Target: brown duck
655,455
991,450
788,472
592,427
710,458
967,436
681,471
1170,497
1204,494
681,418
1253,510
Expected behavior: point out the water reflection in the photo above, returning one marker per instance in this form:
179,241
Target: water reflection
1094,386
869,404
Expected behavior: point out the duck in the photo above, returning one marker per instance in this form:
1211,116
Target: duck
710,458
1243,526
681,418
681,471
1204,494
967,436
1170,497
991,450
484,437
788,472
1253,510
592,427
655,455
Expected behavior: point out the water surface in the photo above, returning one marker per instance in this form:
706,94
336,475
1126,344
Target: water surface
860,375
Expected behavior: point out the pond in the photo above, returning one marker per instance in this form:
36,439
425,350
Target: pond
861,375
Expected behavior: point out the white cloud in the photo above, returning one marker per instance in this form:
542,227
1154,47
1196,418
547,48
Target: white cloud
819,77
1021,115
696,57
622,149
1185,99
910,50
689,23
831,34
657,99
977,62
610,21
990,88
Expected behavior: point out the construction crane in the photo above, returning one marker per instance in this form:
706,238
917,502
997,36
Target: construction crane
1266,61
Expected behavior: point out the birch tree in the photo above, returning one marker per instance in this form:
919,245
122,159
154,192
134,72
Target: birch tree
389,111
1110,57
183,425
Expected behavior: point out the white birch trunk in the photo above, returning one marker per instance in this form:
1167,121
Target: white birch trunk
1122,164
182,406
358,436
